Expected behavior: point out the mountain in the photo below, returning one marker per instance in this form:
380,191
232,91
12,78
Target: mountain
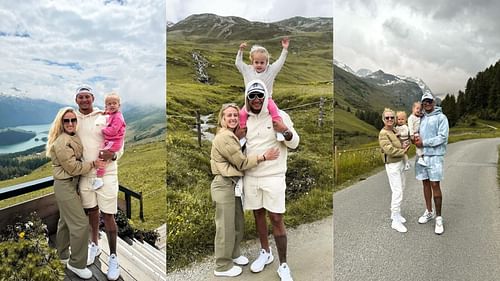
19,111
236,28
343,66
363,72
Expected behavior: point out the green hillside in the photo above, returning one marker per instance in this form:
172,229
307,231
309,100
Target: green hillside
305,78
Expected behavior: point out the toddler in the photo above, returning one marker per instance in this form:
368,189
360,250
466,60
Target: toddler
114,132
414,125
403,133
262,70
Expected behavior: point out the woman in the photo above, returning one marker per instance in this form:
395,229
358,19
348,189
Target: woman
227,163
65,150
393,154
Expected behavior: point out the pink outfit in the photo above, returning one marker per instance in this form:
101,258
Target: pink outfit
271,107
114,135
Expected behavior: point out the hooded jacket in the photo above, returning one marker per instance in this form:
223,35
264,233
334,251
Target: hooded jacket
434,132
66,155
261,136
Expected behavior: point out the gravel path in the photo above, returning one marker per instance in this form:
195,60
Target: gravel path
310,257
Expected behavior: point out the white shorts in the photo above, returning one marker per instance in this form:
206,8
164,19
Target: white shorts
106,197
264,192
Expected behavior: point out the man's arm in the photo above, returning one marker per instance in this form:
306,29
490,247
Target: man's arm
285,127
442,135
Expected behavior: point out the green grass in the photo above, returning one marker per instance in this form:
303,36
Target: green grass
141,168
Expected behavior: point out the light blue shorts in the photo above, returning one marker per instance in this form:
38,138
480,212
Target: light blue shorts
433,171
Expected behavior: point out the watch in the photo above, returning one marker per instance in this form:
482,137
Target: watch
114,156
287,134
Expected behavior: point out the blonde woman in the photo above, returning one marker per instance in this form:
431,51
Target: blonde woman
227,162
393,155
65,150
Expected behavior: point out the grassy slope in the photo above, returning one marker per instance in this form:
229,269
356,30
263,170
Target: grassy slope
304,79
141,168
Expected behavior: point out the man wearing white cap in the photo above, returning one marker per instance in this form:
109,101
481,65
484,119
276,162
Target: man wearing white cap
90,125
433,140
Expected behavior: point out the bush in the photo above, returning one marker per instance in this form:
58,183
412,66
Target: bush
127,230
25,252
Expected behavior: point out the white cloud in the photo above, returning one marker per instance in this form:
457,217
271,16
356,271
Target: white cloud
443,42
265,11
49,48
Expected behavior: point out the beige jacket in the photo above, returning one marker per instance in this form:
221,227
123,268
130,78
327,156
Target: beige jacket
66,154
392,150
226,158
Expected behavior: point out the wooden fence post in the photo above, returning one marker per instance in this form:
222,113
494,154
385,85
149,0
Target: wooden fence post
320,118
336,161
198,126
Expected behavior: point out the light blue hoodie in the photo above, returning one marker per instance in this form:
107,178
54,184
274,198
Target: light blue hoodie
434,132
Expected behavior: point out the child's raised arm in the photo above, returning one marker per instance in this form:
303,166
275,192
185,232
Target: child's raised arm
284,42
243,45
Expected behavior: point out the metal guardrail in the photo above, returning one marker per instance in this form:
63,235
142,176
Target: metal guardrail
27,187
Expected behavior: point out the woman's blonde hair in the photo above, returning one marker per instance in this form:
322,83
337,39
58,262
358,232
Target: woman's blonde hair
387,110
222,122
57,128
261,50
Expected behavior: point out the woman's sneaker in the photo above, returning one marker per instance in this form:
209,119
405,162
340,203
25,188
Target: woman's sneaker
241,260
263,259
426,217
234,271
83,273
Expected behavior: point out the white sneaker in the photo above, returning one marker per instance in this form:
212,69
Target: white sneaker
84,273
241,260
398,226
399,217
64,261
421,161
439,229
234,271
284,272
243,141
280,137
93,251
264,259
426,217
98,183
114,268
407,166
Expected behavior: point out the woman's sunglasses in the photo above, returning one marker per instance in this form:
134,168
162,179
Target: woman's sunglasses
72,120
389,118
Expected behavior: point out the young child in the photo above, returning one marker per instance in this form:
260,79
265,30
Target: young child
414,125
262,70
404,134
114,132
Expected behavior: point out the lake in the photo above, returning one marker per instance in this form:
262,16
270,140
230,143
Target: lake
40,130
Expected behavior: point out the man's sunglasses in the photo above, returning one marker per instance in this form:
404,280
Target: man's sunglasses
389,118
252,96
72,120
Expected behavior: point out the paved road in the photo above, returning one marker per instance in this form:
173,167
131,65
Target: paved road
367,248
310,257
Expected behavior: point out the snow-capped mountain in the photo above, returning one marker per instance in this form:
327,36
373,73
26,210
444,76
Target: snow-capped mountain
344,66
363,72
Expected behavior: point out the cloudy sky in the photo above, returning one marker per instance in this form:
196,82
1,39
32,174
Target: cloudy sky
49,48
264,11
443,42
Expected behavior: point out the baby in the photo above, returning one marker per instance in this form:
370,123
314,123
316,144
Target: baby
262,70
404,135
414,125
114,132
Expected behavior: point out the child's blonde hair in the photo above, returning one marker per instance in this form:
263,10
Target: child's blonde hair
259,49
112,96
415,104
401,113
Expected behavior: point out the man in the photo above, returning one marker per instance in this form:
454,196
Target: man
433,139
264,186
90,124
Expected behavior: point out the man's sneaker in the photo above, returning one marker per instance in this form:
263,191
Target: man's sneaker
114,268
284,272
241,260
398,226
426,217
98,183
263,259
407,166
439,229
234,271
83,273
421,161
399,217
280,137
93,251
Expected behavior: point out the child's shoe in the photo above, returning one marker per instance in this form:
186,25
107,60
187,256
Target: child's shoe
421,161
98,183
280,137
407,166
243,141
